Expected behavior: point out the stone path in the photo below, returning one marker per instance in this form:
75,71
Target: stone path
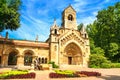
107,74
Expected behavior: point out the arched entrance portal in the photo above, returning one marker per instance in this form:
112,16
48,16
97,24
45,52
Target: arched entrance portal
73,54
12,58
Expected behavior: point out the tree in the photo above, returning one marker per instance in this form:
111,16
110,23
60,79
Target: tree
80,26
113,51
9,14
105,32
96,60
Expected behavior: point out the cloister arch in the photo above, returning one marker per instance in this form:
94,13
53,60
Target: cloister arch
12,56
28,57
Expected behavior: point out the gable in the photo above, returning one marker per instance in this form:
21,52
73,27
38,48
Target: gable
69,8
71,35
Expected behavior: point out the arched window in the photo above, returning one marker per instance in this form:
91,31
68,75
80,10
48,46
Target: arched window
85,35
27,58
55,31
12,58
39,59
70,17
45,60
42,60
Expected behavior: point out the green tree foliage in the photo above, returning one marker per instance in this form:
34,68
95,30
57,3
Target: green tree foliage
98,50
105,32
80,26
97,60
9,14
113,51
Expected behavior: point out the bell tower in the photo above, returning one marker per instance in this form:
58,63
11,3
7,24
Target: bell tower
69,18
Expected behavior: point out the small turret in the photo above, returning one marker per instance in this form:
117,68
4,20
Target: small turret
36,40
83,32
54,28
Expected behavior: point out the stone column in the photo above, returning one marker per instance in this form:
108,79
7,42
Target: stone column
20,61
4,62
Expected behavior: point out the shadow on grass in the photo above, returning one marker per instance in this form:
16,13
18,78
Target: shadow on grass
110,77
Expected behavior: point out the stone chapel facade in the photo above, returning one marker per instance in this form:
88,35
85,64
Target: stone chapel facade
66,46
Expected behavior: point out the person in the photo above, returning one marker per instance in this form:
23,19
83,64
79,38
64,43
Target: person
37,65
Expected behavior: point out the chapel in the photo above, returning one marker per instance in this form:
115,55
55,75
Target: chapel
66,46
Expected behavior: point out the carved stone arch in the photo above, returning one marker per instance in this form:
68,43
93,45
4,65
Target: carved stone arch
10,50
73,53
30,51
74,48
71,36
75,42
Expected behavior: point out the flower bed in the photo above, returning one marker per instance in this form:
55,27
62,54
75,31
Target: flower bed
56,75
16,75
68,74
89,73
22,76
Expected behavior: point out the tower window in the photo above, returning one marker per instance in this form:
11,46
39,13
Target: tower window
70,17
55,31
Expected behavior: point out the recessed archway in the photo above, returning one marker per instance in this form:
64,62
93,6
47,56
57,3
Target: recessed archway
28,57
12,58
73,54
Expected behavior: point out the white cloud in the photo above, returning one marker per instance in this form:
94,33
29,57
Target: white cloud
38,19
107,1
86,20
37,27
79,5
95,13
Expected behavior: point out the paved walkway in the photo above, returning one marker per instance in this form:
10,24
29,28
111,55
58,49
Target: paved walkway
107,74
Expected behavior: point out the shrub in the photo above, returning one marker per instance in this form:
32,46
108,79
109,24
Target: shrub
53,64
22,76
96,60
63,74
105,65
115,65
16,74
68,74
64,71
56,75
110,65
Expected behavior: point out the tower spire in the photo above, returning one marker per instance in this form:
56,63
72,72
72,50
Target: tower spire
54,22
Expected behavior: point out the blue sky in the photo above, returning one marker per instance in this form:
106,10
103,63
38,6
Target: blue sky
37,16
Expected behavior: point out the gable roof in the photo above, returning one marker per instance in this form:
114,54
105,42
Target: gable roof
69,7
